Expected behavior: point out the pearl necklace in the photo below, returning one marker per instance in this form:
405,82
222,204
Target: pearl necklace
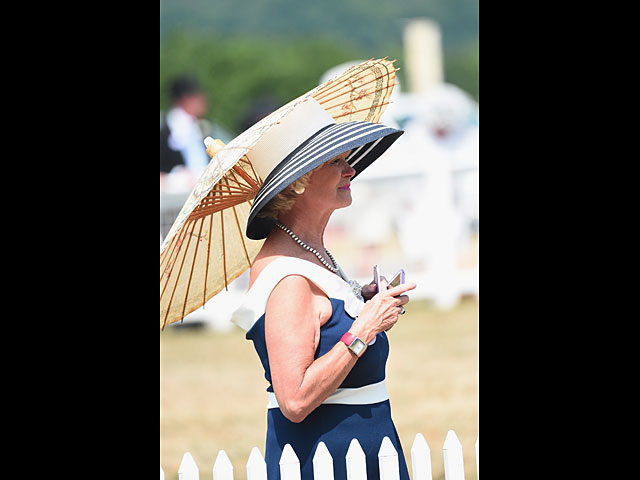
356,288
333,267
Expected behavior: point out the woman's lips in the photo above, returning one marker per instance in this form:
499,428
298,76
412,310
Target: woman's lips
345,187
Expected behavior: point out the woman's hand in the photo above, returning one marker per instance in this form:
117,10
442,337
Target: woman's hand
295,312
381,312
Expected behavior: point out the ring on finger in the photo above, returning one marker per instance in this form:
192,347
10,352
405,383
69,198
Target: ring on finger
402,310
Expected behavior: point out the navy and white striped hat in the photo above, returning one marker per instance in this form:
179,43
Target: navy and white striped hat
304,139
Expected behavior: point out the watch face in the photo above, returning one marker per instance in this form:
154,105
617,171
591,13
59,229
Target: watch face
358,347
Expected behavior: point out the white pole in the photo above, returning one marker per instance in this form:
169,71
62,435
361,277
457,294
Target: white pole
289,464
453,461
256,466
421,459
188,469
222,468
388,461
356,462
322,463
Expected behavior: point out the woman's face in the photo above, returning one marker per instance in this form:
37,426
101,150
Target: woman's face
329,187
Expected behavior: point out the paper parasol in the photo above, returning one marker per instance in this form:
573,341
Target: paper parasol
206,247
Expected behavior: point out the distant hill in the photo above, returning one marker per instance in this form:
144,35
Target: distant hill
371,25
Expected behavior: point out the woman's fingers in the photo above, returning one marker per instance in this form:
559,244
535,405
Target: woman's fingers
400,289
402,300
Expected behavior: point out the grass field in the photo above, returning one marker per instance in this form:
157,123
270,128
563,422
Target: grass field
212,390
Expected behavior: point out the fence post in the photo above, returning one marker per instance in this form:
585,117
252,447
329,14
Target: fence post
222,468
478,457
421,459
388,461
188,469
256,466
453,462
356,462
322,463
289,464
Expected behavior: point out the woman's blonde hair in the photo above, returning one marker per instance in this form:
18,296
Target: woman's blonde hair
284,201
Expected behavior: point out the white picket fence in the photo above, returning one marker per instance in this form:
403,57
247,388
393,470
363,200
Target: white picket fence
355,459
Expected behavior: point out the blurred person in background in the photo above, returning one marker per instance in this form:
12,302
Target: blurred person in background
324,350
181,136
257,110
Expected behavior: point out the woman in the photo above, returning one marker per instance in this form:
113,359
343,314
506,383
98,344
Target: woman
322,347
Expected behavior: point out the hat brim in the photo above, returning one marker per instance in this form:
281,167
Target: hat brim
367,140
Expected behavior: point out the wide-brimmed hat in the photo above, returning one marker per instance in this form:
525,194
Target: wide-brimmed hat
305,139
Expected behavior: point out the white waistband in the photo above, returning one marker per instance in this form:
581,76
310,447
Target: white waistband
374,393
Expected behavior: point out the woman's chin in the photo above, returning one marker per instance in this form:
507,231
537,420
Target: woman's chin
345,202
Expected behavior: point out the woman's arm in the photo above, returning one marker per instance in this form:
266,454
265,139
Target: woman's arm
295,311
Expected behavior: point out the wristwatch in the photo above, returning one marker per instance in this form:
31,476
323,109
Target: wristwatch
356,345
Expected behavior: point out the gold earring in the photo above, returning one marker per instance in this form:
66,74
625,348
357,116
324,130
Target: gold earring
299,190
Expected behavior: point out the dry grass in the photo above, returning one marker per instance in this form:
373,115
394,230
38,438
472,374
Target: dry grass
212,390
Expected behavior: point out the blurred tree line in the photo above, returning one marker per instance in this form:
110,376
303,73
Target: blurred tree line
238,70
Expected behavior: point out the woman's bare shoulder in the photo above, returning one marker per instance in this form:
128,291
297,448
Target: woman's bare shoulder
259,264
297,299
293,286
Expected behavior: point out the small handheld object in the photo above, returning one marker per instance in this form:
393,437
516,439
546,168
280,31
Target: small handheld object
397,279
376,278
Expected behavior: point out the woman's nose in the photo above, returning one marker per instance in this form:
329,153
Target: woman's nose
348,170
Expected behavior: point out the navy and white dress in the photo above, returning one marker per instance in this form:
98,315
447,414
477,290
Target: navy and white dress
360,406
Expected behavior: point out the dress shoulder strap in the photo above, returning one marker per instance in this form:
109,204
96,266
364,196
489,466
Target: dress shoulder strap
255,302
